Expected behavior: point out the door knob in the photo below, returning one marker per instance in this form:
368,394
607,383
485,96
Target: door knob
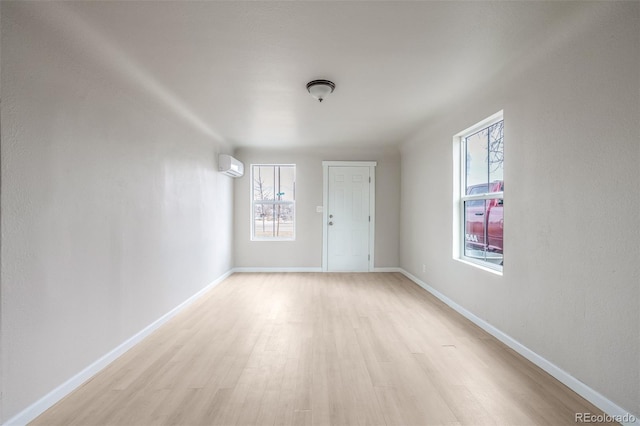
330,223
330,215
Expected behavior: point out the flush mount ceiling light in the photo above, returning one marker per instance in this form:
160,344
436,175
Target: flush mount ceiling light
319,89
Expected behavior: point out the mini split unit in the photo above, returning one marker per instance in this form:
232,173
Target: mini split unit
230,166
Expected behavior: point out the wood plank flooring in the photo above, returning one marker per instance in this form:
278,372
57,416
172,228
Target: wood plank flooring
319,349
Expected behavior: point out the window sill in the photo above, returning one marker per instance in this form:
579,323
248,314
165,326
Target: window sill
480,265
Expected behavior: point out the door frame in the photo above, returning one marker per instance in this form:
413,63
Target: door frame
325,211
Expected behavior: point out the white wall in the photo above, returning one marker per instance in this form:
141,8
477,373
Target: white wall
570,290
306,250
112,210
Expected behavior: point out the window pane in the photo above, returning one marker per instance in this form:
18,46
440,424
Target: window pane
264,225
496,155
484,226
476,167
495,230
274,183
285,183
273,220
474,228
263,182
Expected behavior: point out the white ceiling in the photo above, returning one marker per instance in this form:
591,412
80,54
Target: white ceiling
238,70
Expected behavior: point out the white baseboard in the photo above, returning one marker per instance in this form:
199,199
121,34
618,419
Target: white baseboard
387,269
47,401
294,269
615,411
304,269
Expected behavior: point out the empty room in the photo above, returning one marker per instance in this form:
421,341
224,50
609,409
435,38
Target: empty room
319,213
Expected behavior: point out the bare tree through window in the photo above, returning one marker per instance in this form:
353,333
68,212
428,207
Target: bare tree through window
496,146
260,193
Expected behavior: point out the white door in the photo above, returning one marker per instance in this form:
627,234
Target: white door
348,219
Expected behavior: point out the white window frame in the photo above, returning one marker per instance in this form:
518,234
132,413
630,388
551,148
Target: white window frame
460,196
273,202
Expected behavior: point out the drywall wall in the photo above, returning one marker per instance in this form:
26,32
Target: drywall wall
571,283
306,250
113,212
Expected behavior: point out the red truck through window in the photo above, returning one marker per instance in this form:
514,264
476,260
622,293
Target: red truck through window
484,224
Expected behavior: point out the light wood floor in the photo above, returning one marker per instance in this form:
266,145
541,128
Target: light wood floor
312,349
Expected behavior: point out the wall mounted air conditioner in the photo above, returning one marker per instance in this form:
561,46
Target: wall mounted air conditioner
230,166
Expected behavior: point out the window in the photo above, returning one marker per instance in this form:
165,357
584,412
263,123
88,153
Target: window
481,199
273,201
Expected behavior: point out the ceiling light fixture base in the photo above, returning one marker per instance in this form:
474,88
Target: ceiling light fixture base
319,89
